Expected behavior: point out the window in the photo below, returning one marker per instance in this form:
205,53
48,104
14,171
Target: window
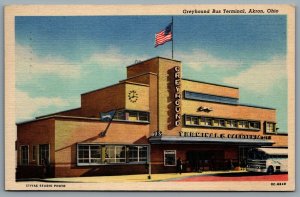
115,154
208,97
170,157
243,124
232,123
89,154
95,154
192,120
44,154
143,116
137,153
270,127
188,120
34,153
254,125
120,115
83,154
208,122
132,116
24,154
219,123
203,121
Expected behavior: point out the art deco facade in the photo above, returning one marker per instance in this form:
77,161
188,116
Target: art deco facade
158,117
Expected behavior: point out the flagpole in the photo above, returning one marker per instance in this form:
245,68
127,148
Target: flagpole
172,38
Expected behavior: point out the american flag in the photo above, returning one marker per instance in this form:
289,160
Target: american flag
164,36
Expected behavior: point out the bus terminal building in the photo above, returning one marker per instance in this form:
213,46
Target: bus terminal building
149,120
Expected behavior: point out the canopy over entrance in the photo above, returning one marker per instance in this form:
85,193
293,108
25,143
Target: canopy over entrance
207,140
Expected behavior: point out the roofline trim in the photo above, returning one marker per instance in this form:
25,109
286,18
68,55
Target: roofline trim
151,59
39,117
58,116
151,73
256,106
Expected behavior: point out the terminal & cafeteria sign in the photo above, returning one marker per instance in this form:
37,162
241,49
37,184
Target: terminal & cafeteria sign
222,135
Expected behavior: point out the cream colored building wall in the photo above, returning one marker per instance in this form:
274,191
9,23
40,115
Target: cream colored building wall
166,96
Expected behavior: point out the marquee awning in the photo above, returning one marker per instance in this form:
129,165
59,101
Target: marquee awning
207,140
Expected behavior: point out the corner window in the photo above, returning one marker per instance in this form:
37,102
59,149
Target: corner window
170,157
24,154
270,127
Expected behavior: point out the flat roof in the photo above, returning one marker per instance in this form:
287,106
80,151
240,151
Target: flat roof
157,57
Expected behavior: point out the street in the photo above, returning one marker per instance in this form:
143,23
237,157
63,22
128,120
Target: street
242,176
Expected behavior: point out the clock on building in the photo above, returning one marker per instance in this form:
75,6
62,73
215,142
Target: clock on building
133,96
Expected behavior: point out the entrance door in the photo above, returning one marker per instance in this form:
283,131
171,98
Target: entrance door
205,160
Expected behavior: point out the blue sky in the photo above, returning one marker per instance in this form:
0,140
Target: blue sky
58,58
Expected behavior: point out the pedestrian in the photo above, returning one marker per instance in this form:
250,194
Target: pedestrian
243,164
179,165
231,164
46,166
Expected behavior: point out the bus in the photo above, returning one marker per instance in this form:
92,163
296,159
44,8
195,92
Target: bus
267,160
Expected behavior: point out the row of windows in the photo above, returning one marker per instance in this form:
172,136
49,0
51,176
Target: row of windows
207,97
42,153
93,154
219,122
132,116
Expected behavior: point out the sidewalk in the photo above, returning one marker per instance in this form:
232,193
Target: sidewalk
134,178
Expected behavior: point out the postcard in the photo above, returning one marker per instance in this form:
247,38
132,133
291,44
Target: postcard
150,97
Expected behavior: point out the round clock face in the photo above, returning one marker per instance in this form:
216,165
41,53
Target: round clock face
133,96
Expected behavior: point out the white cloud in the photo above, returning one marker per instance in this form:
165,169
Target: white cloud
113,57
262,76
29,64
197,59
28,107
